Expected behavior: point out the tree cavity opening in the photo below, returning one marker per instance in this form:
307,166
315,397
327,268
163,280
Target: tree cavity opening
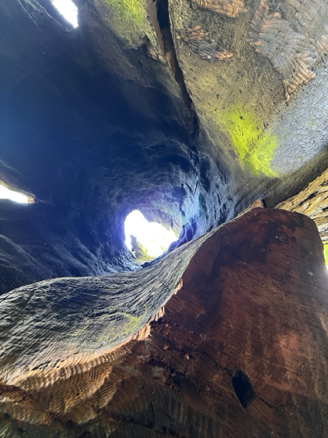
68,10
146,240
12,195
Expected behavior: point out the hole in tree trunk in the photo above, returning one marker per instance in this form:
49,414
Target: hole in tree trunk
243,388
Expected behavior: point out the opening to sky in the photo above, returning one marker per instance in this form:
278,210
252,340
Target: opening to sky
6,193
68,10
155,238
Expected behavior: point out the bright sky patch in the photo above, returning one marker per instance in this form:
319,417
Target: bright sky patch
151,235
68,10
6,193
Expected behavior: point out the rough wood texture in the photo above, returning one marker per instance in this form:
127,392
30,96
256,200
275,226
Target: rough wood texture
207,49
312,201
240,350
278,50
258,203
230,8
293,53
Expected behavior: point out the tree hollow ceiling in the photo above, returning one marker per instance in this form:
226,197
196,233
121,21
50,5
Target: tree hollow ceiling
188,110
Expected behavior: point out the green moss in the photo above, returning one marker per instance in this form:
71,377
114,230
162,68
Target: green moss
129,19
78,332
129,10
325,253
130,324
255,148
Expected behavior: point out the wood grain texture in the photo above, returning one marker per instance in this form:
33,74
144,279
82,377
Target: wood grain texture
55,329
229,8
199,42
241,349
293,38
312,201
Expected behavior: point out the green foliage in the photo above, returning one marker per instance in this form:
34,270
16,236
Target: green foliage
129,19
254,147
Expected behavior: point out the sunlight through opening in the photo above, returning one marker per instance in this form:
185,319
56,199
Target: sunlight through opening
68,10
152,236
6,193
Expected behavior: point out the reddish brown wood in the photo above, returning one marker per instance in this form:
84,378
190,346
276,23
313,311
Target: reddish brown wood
240,351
